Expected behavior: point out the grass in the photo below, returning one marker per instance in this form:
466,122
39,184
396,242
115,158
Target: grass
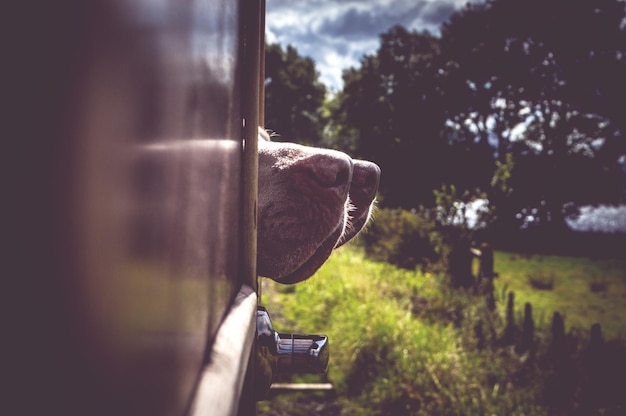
403,343
585,291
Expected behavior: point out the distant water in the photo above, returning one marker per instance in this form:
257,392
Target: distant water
603,218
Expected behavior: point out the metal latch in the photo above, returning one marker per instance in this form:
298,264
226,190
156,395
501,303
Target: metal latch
278,353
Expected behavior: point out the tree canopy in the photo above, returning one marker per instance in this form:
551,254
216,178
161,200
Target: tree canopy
541,83
293,95
545,80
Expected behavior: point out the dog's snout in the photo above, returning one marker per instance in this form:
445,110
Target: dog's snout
365,179
332,171
311,201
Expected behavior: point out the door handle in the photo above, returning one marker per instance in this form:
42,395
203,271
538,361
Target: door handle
281,353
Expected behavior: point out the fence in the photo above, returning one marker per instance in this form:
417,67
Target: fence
579,372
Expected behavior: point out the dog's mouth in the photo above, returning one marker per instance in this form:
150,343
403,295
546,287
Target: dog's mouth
313,263
341,235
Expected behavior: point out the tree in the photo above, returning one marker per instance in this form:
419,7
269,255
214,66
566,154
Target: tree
546,81
293,95
541,81
391,108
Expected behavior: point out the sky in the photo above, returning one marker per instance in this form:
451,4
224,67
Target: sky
337,33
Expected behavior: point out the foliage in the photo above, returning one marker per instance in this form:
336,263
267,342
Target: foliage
508,81
404,238
545,92
452,212
502,175
429,237
393,111
402,343
293,95
514,89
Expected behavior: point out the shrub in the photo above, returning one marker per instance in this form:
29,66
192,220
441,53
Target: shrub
598,286
541,282
403,238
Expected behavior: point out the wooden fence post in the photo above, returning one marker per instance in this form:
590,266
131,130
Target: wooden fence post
595,391
509,331
528,328
485,271
460,265
557,346
486,274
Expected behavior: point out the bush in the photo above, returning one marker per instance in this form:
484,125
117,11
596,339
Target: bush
541,282
598,286
403,238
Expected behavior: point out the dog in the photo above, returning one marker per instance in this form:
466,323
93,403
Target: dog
310,202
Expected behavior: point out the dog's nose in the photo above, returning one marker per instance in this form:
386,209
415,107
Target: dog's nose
365,179
332,170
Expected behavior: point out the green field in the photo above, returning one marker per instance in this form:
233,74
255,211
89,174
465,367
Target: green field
585,291
404,343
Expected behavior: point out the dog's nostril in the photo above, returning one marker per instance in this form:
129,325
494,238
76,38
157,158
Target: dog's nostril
366,177
342,177
331,171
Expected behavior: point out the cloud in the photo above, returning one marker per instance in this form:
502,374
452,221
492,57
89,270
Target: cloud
355,23
337,34
438,12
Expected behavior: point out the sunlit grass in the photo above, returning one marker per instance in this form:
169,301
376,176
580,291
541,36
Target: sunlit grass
403,342
572,293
